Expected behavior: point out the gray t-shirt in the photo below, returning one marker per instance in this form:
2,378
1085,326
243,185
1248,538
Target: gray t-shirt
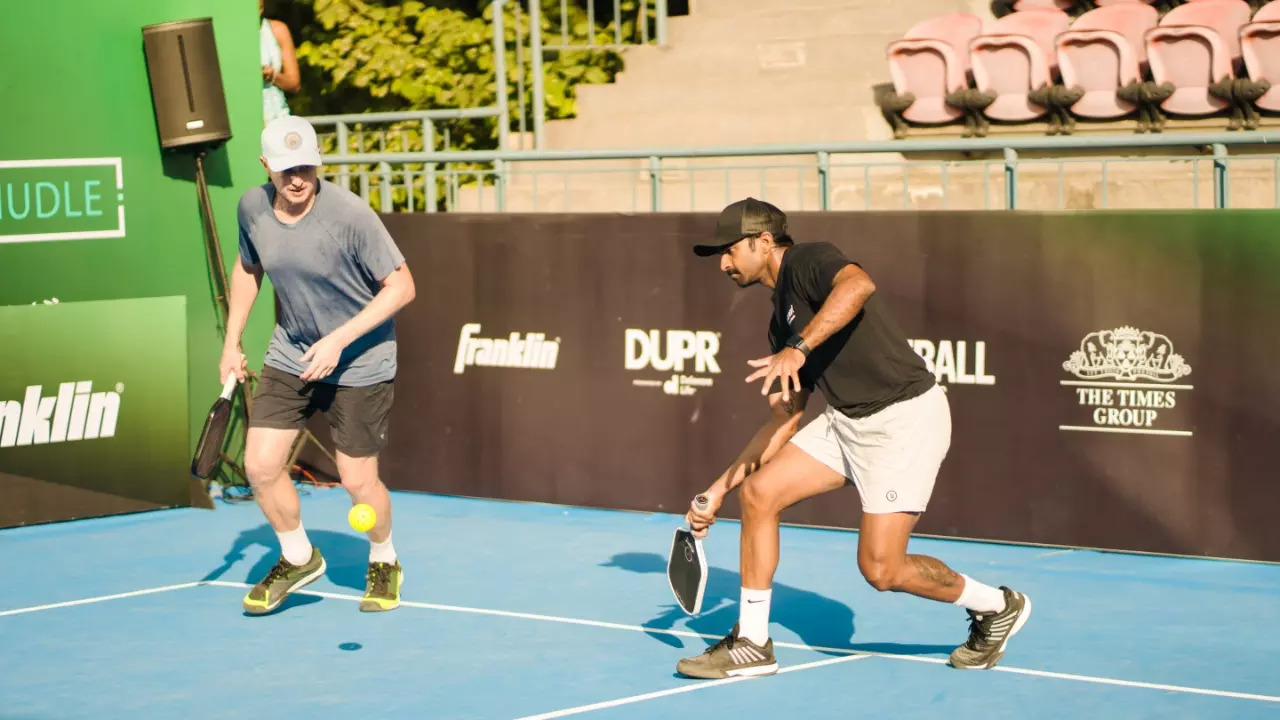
325,268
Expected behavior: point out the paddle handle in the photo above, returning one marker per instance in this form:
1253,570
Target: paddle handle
228,386
701,502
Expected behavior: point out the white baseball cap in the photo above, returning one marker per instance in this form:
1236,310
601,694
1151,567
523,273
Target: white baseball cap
290,141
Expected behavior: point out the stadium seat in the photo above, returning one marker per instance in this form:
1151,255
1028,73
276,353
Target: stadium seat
1104,56
930,71
1260,46
1196,50
1015,66
1064,5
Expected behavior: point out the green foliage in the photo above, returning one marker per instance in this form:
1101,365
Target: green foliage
383,55
364,55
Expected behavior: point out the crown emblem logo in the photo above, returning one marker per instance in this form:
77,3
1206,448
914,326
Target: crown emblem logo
1126,353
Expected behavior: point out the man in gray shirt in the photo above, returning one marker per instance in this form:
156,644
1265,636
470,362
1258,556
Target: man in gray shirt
339,279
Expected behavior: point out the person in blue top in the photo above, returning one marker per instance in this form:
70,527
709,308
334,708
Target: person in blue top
279,59
339,279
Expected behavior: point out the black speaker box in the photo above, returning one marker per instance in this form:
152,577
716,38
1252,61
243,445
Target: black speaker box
186,84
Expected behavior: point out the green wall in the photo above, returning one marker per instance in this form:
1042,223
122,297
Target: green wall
83,92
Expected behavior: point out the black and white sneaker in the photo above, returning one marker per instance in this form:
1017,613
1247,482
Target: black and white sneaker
731,657
989,634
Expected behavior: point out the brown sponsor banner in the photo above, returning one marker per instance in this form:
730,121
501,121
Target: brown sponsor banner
1108,375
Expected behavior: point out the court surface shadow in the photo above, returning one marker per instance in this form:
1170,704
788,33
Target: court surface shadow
346,559
819,621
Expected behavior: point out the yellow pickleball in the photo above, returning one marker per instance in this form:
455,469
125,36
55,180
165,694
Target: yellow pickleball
362,517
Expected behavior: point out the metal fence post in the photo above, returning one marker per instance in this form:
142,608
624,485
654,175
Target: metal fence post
384,187
824,180
660,10
535,47
429,180
500,71
655,183
499,183
344,174
1221,178
1010,179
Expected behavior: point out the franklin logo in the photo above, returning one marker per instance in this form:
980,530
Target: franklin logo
76,412
1126,380
293,141
532,352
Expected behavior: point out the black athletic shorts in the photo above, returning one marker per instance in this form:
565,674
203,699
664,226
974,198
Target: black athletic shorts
358,416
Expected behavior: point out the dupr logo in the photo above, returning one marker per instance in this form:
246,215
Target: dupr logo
676,351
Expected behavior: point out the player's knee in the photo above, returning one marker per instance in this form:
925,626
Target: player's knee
358,474
263,471
757,499
883,575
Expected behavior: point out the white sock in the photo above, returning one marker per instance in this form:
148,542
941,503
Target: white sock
382,552
295,546
753,615
980,598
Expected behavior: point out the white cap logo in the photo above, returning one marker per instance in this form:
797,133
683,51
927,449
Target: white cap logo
288,142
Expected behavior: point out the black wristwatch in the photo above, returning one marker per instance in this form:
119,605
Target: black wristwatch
798,343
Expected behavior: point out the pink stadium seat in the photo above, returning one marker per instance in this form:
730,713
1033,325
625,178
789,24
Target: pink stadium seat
931,76
931,61
1196,49
1064,5
1103,53
1260,46
1014,64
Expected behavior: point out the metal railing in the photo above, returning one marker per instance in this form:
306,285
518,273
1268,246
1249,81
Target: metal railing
632,22
407,181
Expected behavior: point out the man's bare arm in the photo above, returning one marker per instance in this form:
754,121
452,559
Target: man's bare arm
849,292
246,281
783,423
397,291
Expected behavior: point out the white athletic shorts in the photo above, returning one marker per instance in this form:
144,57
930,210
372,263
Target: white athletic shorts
892,456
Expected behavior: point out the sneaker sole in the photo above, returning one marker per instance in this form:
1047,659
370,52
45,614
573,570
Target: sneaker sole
307,580
998,655
753,671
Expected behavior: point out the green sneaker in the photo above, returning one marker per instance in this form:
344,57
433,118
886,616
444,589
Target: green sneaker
733,656
283,579
382,589
989,634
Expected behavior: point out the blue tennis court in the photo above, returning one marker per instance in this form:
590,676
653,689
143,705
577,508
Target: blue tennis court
521,611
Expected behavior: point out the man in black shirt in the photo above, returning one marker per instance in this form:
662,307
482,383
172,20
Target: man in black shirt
886,429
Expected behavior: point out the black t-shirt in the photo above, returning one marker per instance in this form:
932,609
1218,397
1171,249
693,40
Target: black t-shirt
865,366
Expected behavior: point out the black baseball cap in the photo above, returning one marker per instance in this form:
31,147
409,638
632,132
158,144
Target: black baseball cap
744,218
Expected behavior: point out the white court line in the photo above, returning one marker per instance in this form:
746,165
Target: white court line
682,689
681,633
100,598
796,646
